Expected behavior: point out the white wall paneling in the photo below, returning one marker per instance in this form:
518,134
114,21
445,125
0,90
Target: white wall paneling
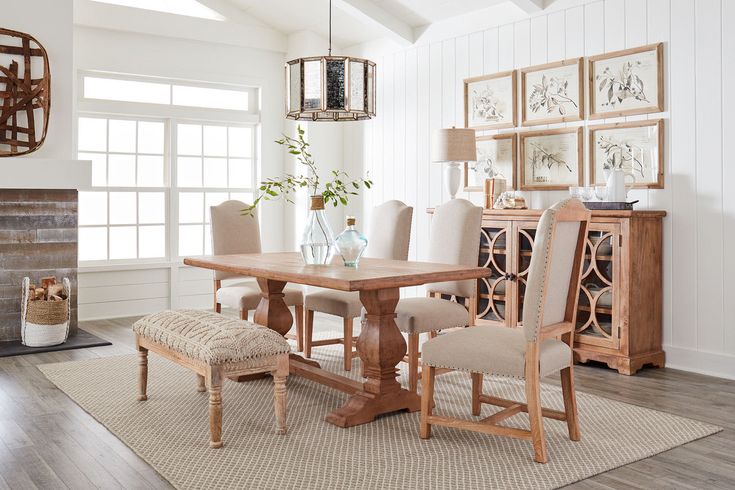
421,90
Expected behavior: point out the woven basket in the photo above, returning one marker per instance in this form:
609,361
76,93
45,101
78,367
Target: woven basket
44,323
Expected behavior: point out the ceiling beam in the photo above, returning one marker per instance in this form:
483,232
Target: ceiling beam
532,6
370,13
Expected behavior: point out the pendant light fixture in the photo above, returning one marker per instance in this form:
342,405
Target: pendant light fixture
330,88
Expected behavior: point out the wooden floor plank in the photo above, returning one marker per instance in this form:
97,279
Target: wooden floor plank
39,413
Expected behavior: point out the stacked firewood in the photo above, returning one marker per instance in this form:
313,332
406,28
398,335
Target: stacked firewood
49,290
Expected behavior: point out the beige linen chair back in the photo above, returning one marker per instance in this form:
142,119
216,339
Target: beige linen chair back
390,231
552,290
233,233
455,239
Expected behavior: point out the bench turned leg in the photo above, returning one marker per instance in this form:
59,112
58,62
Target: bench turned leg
215,406
280,375
201,385
142,373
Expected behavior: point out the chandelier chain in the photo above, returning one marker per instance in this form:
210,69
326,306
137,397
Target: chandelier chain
330,27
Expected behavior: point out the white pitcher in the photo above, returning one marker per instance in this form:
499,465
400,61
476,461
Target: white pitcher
617,190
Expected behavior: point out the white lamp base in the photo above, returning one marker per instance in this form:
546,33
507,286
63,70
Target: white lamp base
453,178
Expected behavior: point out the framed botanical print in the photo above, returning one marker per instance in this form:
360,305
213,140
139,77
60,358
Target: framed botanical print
552,93
636,147
627,82
490,101
496,158
551,159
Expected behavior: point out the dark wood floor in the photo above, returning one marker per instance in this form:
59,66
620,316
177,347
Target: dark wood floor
47,441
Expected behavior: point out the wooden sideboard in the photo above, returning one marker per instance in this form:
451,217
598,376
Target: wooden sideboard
619,318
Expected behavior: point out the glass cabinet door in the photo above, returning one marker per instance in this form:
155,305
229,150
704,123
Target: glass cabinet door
597,321
495,255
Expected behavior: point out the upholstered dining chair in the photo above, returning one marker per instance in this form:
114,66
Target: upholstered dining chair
233,233
541,347
454,239
388,235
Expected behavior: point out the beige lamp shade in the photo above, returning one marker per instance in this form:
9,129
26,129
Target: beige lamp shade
454,145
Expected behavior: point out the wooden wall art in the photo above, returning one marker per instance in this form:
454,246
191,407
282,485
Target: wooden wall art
25,81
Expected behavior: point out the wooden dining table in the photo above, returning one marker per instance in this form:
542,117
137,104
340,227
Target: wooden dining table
380,346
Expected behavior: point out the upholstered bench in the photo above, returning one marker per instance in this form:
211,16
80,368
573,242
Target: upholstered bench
214,347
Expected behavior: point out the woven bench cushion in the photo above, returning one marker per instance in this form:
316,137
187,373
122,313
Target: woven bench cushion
210,337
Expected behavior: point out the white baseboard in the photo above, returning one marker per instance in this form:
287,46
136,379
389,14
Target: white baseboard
709,363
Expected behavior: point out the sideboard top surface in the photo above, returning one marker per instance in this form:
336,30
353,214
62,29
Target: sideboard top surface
536,213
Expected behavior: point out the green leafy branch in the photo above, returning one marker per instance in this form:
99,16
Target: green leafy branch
336,191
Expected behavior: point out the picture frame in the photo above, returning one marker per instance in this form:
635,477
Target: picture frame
551,159
639,142
490,101
626,82
497,156
552,92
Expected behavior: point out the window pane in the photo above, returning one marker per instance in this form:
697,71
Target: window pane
93,243
189,139
246,197
191,207
240,172
189,172
99,167
150,171
150,137
122,208
122,136
207,240
215,98
151,242
215,172
191,239
215,141
121,171
92,208
92,134
123,242
213,199
241,142
127,90
151,207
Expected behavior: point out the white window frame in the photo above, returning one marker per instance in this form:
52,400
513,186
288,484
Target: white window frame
170,115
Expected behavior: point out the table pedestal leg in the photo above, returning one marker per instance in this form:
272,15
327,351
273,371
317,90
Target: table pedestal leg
381,347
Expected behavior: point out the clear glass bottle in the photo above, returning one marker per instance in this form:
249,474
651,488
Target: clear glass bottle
317,242
351,243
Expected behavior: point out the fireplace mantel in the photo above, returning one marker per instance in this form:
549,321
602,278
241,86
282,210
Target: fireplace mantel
44,173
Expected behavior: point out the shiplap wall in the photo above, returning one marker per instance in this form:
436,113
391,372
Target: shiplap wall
420,89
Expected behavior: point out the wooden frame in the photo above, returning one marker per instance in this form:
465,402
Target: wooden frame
514,97
211,377
575,116
573,212
656,106
514,156
550,132
659,123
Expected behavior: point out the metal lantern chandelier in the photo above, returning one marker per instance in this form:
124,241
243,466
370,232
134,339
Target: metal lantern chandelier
330,88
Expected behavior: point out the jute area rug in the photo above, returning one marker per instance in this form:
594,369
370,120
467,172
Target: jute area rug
170,432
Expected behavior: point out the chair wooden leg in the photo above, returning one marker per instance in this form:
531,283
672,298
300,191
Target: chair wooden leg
142,373
201,385
217,308
570,403
533,397
476,392
427,400
347,323
413,362
279,394
244,315
299,327
214,382
217,286
308,332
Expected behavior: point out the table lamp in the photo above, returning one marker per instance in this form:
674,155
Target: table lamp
453,146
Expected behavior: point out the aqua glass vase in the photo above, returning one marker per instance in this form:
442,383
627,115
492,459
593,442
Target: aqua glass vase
317,242
351,244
